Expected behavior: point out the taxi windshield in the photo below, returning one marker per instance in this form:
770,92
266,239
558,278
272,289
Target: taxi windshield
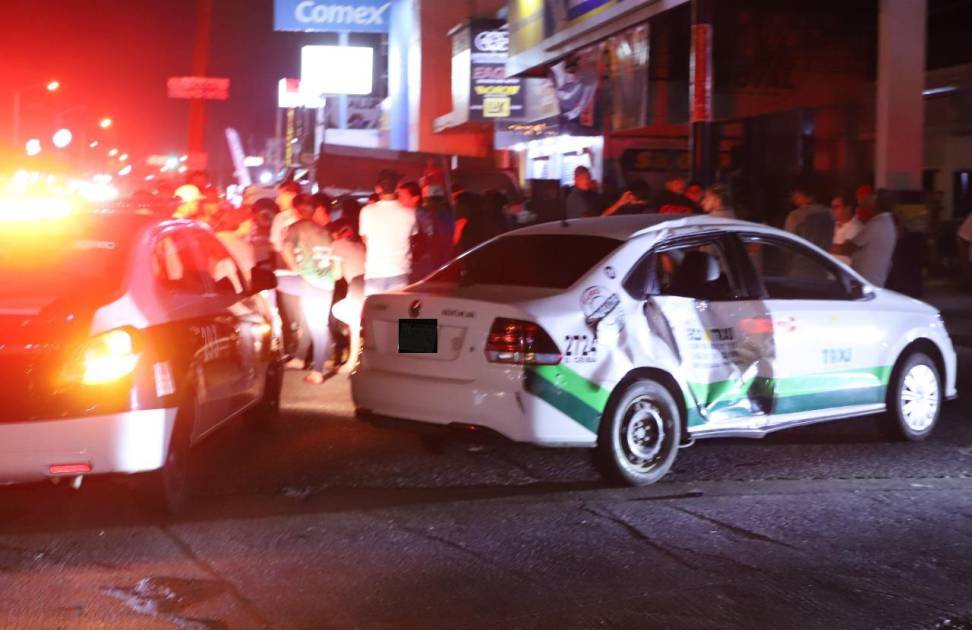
82,255
549,261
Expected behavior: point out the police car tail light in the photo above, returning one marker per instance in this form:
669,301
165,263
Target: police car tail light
520,343
103,359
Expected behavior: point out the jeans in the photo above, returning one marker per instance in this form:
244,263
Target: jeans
316,305
380,285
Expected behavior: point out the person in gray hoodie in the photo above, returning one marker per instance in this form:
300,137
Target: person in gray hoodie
810,220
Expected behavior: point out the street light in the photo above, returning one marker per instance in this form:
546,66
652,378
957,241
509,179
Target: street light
105,123
93,144
53,86
62,138
123,157
112,152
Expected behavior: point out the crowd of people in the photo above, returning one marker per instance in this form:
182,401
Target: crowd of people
331,253
862,232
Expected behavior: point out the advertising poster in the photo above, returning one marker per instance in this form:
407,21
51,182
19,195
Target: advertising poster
493,96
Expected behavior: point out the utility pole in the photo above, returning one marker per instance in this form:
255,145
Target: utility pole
200,67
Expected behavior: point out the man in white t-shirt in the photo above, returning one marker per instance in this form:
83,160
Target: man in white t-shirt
871,251
847,226
386,227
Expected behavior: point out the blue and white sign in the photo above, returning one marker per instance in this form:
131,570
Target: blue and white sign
354,16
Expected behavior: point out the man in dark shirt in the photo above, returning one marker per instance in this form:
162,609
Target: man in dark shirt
671,199
583,200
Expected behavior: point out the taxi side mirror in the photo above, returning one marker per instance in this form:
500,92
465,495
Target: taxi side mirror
860,291
262,279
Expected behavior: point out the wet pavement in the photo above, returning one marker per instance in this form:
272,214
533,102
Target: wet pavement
326,522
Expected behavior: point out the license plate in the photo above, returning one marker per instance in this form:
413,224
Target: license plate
418,336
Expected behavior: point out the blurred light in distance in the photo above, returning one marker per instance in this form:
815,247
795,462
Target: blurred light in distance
183,169
184,158
62,138
53,86
125,170
123,157
172,163
105,123
266,177
113,152
253,160
101,178
33,208
149,178
93,144
33,146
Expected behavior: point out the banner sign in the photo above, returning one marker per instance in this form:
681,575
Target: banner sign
328,16
701,73
207,88
493,95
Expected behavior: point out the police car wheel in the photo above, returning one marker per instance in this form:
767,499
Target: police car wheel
166,491
265,411
639,435
914,398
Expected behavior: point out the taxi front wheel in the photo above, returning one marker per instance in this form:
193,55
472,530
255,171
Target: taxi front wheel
914,398
639,434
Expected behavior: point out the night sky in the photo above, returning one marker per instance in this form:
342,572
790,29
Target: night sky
115,56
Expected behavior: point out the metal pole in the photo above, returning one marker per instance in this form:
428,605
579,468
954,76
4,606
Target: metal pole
702,143
197,107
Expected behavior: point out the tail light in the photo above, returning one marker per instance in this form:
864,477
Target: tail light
520,343
102,360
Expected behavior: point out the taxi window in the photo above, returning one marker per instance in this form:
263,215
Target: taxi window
700,271
552,261
175,268
219,265
791,272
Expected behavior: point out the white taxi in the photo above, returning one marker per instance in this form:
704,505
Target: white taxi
636,335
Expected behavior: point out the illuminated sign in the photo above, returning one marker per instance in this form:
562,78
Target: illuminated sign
525,24
562,14
355,16
336,69
207,88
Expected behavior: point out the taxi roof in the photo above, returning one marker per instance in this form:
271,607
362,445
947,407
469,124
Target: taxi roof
626,227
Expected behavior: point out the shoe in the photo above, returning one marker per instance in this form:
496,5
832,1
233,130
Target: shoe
314,378
295,364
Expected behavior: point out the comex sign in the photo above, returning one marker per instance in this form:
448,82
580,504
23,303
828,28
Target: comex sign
359,16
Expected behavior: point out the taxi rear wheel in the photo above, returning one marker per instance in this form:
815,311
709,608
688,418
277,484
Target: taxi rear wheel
639,434
914,399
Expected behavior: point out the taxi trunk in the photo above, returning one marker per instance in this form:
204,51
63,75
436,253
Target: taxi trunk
462,318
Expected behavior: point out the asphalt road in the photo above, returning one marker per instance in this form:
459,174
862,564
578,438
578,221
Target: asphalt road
324,522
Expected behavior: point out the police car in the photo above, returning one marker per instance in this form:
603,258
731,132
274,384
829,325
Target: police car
639,334
125,338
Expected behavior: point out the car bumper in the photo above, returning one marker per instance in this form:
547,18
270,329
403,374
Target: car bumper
497,402
127,442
